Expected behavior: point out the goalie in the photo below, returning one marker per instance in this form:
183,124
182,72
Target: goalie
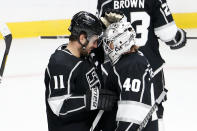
130,76
152,20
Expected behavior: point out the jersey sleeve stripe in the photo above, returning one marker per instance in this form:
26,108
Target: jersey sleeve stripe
164,16
132,111
70,75
56,103
143,84
104,70
118,77
71,111
158,70
166,32
130,125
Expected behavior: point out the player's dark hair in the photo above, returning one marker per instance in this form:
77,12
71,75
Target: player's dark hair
74,37
84,22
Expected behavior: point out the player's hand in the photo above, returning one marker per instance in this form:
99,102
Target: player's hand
100,99
112,16
181,41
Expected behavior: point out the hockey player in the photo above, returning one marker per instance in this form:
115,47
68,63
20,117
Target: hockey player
73,87
130,77
151,20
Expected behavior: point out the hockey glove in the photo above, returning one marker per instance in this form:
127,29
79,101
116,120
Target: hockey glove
112,16
179,40
100,99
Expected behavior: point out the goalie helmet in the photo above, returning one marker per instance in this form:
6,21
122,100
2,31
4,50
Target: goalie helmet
85,22
118,39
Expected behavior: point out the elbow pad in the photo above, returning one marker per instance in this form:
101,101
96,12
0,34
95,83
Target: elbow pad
178,41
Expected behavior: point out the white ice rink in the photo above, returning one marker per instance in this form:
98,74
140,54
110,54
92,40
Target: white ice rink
22,105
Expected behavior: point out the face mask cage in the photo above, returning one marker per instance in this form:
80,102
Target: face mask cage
106,46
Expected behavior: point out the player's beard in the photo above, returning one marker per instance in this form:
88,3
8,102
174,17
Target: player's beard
83,52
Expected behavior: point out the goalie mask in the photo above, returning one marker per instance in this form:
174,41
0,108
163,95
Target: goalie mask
118,39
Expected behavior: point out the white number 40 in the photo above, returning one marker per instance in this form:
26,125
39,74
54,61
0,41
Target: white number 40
134,86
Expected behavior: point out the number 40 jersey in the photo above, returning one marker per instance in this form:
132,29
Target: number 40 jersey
131,79
151,20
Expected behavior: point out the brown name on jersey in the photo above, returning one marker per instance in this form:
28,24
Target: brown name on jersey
128,4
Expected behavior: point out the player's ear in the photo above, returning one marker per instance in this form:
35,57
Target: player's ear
82,37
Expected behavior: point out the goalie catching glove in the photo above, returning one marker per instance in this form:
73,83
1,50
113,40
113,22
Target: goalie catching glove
100,99
112,16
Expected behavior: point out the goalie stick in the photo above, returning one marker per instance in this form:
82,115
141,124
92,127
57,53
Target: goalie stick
191,37
8,39
153,108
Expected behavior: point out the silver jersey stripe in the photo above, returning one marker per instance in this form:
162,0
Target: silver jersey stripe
164,15
70,75
158,70
49,84
104,70
143,84
67,52
129,126
119,82
77,109
56,103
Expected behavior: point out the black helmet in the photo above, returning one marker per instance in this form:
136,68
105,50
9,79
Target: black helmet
85,22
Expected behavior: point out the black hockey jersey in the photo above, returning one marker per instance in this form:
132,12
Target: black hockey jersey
131,79
67,78
151,19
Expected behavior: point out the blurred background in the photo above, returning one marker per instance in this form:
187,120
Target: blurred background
22,105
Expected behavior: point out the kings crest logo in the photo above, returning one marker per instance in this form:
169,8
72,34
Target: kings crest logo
93,79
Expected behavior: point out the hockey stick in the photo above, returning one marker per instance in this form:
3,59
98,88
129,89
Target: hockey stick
191,37
153,108
96,120
54,37
8,39
66,37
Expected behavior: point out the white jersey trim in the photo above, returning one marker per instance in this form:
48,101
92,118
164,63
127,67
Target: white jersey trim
164,16
56,103
77,109
158,70
143,83
166,32
70,75
132,111
104,70
130,125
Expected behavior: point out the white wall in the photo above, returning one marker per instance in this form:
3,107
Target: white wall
182,6
34,10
